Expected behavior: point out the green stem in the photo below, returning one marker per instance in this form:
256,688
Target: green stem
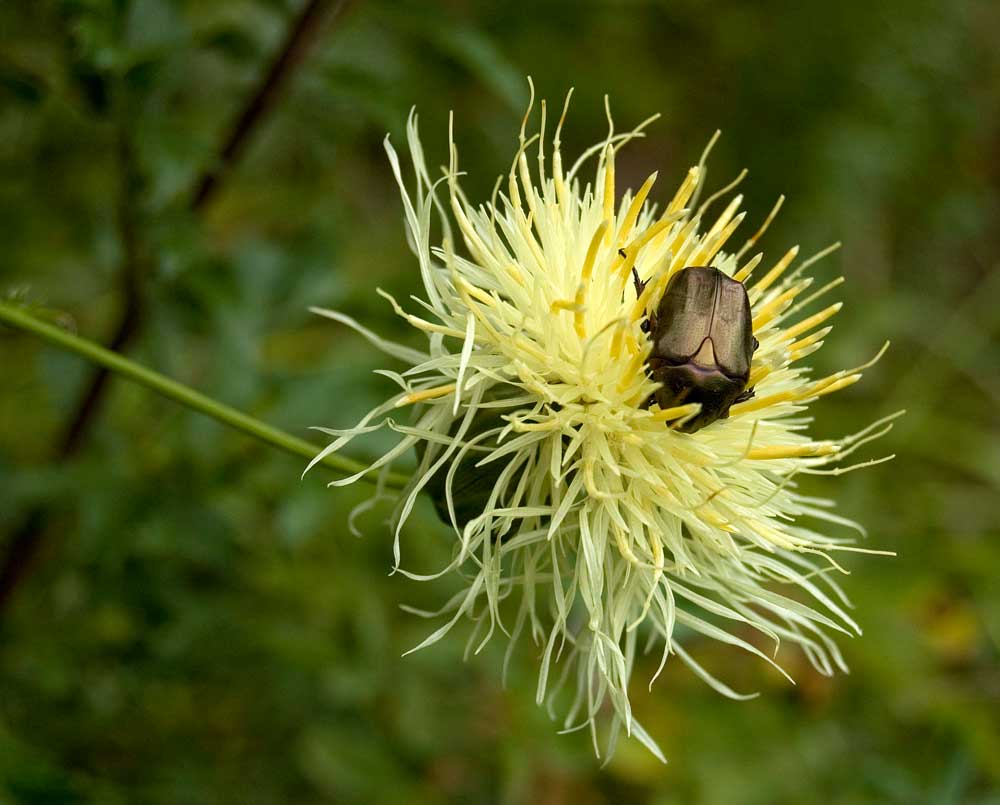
115,362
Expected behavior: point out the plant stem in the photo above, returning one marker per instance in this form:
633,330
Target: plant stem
184,395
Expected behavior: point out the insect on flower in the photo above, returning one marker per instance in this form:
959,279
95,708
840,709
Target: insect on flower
702,344
597,511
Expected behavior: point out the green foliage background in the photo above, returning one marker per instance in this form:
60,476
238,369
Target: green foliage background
201,627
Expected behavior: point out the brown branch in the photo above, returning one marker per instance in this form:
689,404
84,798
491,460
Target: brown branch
300,36
132,271
26,541
23,548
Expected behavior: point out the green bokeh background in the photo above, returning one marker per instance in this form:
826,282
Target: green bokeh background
200,627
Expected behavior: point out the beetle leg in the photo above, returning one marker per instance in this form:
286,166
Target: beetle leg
743,397
646,326
640,286
756,343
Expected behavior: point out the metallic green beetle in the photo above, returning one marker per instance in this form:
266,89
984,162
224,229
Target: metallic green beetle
703,343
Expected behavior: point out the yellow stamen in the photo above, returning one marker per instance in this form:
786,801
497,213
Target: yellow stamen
633,249
677,412
463,291
595,243
616,340
758,403
682,258
656,284
713,518
634,208
724,219
816,319
837,385
757,374
619,339
769,278
536,426
682,237
683,192
525,345
747,270
588,269
658,558
809,340
775,537
650,232
516,274
792,451
623,547
430,327
425,394
710,248
609,185
778,304
564,304
799,354
478,294
630,372
653,290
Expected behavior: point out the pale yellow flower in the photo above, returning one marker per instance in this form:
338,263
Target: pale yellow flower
603,528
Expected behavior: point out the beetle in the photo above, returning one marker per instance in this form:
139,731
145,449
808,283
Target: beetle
703,343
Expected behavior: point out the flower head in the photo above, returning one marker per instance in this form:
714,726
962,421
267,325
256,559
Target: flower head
586,519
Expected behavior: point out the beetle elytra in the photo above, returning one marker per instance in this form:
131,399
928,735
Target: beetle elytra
703,343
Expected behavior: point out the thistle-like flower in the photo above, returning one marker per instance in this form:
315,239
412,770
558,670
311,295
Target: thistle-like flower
585,517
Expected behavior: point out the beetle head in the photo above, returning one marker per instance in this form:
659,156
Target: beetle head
691,382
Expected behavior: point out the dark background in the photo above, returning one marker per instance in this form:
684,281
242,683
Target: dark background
185,621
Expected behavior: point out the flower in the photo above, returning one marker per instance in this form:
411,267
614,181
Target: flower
585,519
